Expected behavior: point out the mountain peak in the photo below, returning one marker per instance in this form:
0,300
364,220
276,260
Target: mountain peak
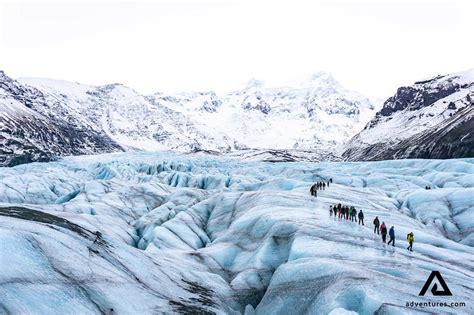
320,75
321,78
254,83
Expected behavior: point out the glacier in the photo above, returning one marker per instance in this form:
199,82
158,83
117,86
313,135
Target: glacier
196,233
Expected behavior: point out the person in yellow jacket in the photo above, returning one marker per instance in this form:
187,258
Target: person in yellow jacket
410,239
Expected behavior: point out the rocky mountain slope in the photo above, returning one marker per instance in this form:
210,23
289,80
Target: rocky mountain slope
35,128
130,119
430,119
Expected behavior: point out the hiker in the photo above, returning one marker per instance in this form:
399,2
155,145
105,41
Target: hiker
383,230
328,184
347,212
391,233
361,217
324,186
339,210
330,180
376,225
353,214
312,190
330,211
410,239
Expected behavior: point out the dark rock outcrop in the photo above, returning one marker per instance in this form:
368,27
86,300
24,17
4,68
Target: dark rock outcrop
430,119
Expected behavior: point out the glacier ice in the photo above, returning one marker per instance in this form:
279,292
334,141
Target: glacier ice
204,234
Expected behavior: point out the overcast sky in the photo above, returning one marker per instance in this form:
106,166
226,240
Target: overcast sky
369,46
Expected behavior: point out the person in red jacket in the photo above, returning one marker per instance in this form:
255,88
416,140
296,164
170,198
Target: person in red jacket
383,231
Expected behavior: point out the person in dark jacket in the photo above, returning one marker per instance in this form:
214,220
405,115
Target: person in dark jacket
361,217
383,231
353,214
330,180
330,210
313,190
324,186
376,225
328,184
391,233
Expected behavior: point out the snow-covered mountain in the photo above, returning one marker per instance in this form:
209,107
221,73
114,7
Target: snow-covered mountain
42,118
70,118
430,119
129,118
315,114
36,127
185,234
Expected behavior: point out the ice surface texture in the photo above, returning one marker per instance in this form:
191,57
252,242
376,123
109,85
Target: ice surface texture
200,234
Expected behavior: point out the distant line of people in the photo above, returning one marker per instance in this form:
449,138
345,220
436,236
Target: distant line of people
319,186
428,187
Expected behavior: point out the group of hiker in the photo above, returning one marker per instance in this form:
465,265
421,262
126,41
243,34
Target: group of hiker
350,213
383,230
319,186
428,187
346,212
